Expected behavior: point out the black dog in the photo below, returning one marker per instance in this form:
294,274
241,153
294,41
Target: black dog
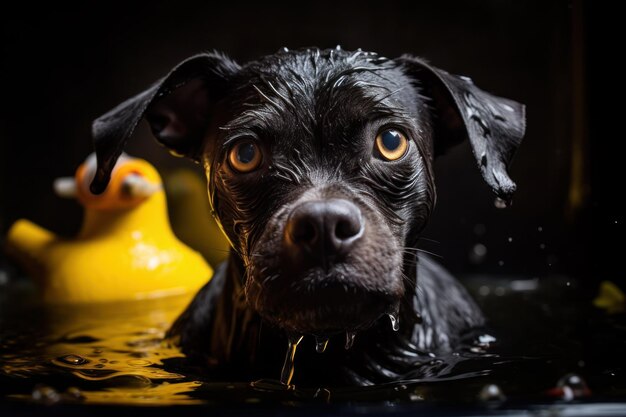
319,167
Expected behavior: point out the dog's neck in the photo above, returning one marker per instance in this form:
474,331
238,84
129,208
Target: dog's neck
235,324
240,339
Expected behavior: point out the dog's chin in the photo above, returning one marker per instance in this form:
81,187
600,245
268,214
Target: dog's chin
322,309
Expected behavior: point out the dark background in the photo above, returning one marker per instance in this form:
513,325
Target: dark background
64,66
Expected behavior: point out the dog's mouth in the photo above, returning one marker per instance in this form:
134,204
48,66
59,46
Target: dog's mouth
321,307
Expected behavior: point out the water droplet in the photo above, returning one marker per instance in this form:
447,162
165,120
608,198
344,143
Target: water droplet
46,395
486,338
510,239
320,344
567,284
551,260
350,339
570,387
418,318
288,367
74,393
499,203
399,388
478,253
72,360
484,290
491,393
480,250
138,362
395,321
500,263
540,229
4,277
483,343
542,246
415,397
522,285
323,394
477,349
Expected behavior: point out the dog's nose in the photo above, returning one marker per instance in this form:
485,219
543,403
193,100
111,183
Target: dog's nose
324,228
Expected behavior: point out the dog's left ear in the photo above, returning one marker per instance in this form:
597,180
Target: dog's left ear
178,108
494,125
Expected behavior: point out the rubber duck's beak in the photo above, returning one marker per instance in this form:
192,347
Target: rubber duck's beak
136,186
133,181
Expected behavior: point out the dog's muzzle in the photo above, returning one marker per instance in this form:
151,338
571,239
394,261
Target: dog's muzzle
325,265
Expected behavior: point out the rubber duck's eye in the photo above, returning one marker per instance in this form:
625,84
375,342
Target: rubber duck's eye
245,156
391,144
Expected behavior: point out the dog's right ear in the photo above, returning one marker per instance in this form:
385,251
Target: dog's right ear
177,107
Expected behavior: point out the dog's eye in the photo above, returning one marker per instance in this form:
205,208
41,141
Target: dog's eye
244,156
392,144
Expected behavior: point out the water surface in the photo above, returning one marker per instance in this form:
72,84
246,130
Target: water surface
552,349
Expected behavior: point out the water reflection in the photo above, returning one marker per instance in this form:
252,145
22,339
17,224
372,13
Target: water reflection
115,354
116,346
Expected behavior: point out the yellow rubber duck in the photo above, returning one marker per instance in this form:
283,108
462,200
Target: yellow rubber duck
125,249
189,206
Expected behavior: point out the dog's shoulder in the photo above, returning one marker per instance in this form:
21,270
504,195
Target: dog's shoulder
192,328
447,310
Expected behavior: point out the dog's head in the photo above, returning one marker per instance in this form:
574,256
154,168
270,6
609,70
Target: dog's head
319,167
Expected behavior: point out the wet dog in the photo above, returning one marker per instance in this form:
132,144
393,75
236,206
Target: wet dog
319,168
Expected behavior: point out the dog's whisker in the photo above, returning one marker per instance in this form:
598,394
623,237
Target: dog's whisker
407,279
430,253
408,248
416,250
429,240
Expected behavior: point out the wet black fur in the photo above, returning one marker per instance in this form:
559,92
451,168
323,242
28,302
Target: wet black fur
315,114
